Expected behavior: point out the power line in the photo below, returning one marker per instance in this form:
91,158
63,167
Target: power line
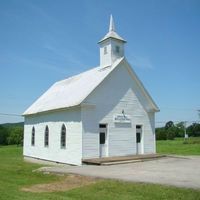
10,114
189,121
176,108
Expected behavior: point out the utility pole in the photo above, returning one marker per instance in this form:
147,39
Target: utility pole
185,131
198,113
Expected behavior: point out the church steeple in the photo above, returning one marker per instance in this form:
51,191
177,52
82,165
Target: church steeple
112,25
111,46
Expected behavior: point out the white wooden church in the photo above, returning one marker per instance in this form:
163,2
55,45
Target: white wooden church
103,112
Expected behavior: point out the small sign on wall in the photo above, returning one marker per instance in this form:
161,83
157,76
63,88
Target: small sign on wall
120,118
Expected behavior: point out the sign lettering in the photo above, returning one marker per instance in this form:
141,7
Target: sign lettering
122,119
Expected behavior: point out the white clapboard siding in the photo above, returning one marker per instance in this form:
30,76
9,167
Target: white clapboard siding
73,151
117,92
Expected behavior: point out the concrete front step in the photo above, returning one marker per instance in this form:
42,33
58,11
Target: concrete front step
121,162
122,159
126,162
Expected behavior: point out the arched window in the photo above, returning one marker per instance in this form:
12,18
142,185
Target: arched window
46,137
33,136
63,137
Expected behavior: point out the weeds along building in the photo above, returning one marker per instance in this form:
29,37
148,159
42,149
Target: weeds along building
103,112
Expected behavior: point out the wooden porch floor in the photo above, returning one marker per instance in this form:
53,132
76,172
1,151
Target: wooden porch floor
122,159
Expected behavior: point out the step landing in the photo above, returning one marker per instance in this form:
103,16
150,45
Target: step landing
122,159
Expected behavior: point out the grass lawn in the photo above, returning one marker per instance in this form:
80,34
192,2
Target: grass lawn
179,146
15,174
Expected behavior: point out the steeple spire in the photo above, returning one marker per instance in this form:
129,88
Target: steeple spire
112,33
112,25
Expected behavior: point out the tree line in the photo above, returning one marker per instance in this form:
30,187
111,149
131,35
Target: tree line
172,130
11,134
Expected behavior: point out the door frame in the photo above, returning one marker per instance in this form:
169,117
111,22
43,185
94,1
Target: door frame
106,140
141,139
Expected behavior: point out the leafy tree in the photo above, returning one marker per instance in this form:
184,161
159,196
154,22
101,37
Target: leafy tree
161,134
194,130
16,136
169,124
3,135
168,132
181,129
11,133
171,132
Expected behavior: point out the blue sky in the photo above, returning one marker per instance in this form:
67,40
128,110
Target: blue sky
43,41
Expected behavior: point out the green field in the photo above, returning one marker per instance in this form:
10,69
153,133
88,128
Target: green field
179,146
15,174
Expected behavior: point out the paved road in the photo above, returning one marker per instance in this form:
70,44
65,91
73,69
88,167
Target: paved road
176,171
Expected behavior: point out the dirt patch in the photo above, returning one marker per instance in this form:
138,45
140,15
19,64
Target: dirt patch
70,182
